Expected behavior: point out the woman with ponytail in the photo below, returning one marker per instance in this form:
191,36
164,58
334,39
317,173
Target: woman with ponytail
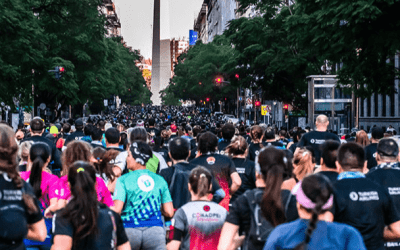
197,225
85,223
267,204
314,230
20,215
80,151
44,187
256,134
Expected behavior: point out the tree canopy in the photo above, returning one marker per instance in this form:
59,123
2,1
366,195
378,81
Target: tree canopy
37,36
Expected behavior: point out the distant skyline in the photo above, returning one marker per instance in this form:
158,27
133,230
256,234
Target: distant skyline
136,18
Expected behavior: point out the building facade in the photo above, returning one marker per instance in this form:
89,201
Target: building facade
113,23
381,110
178,46
220,12
201,24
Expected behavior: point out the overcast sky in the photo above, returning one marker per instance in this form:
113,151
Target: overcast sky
136,18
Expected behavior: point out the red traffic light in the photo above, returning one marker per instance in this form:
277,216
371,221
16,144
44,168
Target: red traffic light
237,76
218,80
208,99
258,103
286,106
61,69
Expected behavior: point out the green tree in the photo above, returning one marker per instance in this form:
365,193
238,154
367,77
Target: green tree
197,70
363,35
20,50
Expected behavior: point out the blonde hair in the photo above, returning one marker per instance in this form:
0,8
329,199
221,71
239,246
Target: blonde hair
24,149
302,163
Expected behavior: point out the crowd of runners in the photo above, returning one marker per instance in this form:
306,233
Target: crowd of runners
184,178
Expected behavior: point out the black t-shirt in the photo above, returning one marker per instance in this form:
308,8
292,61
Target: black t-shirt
14,217
315,139
332,176
179,191
55,160
254,150
115,148
370,153
193,143
77,135
389,179
163,151
365,205
247,172
293,147
240,211
193,153
103,240
222,145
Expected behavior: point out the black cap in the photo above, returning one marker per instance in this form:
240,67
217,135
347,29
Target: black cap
388,147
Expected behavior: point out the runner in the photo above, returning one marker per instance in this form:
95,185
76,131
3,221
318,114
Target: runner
318,137
256,212
370,150
256,134
302,166
328,160
20,215
228,131
44,186
141,196
361,203
197,225
313,230
84,223
221,166
237,150
79,151
387,174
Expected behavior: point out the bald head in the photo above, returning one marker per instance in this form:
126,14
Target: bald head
322,123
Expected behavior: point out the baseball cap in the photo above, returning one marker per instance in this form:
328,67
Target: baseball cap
388,147
53,130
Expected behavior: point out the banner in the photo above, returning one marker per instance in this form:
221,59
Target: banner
265,109
192,37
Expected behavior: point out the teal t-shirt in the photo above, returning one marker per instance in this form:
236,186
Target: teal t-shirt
142,192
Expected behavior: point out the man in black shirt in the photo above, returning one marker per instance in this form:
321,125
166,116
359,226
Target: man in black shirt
328,160
270,138
221,166
78,134
228,131
97,135
177,176
362,203
151,129
36,130
370,150
316,138
387,174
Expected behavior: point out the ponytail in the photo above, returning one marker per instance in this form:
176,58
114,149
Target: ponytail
271,204
82,211
8,164
35,178
318,190
39,154
200,181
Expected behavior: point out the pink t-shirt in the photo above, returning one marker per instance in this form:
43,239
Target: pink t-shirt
49,186
103,195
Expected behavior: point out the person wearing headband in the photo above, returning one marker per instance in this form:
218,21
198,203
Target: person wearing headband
142,197
314,230
199,222
362,203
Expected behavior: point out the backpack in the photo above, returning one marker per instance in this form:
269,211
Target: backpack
260,228
180,175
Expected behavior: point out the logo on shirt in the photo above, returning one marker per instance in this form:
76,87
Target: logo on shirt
210,160
145,183
206,208
353,196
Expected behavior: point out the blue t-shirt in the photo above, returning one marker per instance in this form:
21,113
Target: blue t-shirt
327,235
142,192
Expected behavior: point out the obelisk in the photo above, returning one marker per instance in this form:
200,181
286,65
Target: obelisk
161,68
155,74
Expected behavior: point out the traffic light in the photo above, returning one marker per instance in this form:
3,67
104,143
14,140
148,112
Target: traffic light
286,106
58,71
218,80
208,99
237,76
257,103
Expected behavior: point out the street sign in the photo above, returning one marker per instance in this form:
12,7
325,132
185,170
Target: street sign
265,109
